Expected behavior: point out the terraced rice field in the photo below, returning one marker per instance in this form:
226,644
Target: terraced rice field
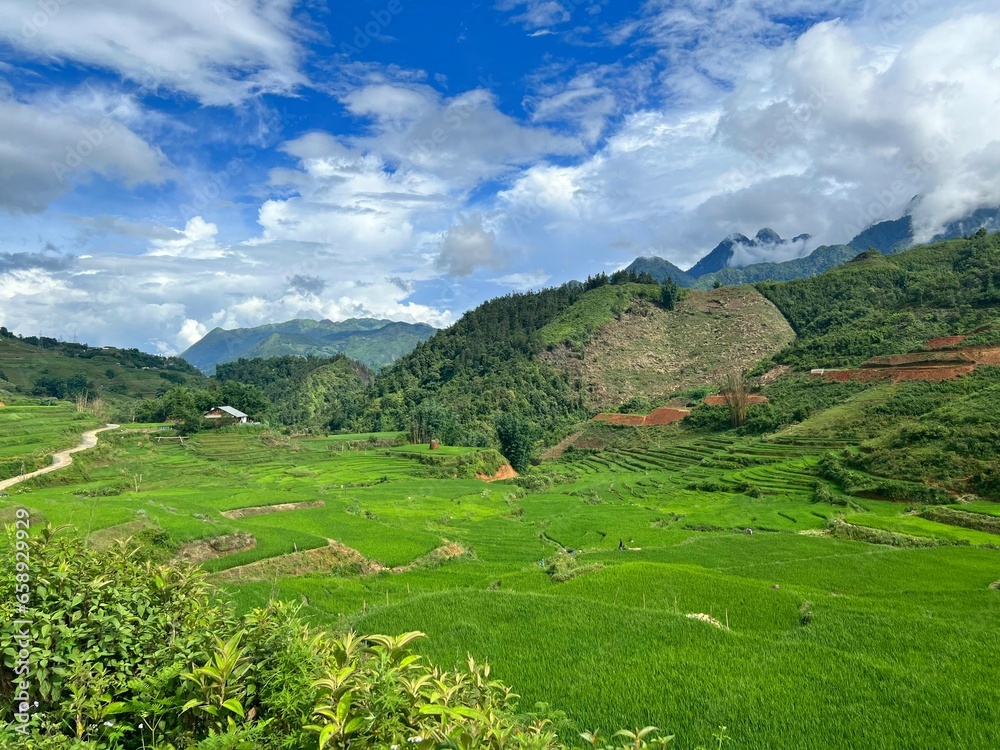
30,434
825,642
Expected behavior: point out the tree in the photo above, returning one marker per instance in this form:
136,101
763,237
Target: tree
670,293
431,421
517,438
737,395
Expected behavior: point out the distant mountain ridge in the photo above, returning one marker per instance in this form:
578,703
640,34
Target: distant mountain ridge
887,237
722,256
375,343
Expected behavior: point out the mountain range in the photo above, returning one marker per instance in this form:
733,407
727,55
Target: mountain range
374,343
726,264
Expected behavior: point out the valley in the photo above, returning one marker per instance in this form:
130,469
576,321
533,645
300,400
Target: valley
830,567
808,612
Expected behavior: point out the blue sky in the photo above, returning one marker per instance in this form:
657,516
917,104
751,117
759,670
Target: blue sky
168,166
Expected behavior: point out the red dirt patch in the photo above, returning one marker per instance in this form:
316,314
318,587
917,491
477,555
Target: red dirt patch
263,510
983,355
945,342
928,366
504,472
897,374
665,415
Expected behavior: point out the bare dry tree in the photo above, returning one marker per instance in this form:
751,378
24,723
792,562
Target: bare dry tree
737,395
82,401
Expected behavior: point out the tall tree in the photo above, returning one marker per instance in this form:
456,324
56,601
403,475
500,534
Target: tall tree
517,438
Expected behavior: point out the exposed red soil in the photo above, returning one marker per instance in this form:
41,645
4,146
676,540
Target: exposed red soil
945,342
928,366
504,472
720,400
665,415
983,355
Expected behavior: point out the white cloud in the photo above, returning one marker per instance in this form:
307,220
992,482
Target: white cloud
196,240
191,333
219,52
537,14
44,152
468,246
827,134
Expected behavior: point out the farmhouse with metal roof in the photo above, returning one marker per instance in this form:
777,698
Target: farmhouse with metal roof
227,413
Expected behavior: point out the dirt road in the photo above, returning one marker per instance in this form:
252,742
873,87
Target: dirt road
61,459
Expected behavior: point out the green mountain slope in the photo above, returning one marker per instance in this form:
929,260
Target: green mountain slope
939,435
374,343
556,356
33,366
890,304
321,393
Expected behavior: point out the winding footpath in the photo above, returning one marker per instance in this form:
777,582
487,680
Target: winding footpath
62,459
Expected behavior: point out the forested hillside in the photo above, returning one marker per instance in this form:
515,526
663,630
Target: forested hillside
46,367
877,305
323,393
483,365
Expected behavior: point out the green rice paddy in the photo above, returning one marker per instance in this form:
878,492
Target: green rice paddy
830,643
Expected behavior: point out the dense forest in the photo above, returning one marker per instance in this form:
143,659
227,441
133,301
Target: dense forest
327,393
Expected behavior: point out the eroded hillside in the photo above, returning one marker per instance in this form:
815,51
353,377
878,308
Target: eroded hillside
654,353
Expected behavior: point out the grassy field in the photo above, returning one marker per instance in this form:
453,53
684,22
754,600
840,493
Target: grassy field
821,642
29,435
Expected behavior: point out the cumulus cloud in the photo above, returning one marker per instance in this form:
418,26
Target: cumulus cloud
827,134
219,52
196,240
45,152
464,139
468,246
